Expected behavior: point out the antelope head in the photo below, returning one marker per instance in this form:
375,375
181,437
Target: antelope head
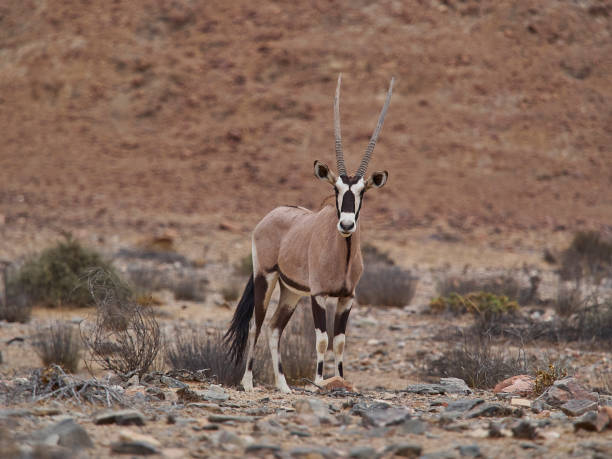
350,189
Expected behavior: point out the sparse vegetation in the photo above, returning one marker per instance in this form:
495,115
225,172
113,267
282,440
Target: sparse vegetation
186,284
193,351
59,344
244,266
478,363
231,292
15,307
125,336
589,255
544,378
482,304
56,276
502,285
386,286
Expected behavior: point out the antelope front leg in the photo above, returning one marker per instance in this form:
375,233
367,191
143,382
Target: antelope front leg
318,314
340,319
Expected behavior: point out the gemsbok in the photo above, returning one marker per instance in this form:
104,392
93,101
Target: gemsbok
314,254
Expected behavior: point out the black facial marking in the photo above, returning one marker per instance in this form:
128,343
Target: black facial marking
320,368
250,365
340,370
348,251
280,368
348,202
318,314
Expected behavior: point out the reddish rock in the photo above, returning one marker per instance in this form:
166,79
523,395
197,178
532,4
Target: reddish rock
518,385
564,390
337,383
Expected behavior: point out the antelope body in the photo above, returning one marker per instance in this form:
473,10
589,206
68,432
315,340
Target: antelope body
314,254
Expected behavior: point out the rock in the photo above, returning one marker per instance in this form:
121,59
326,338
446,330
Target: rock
517,385
446,386
311,406
470,450
464,404
521,402
187,395
313,452
362,452
381,414
537,406
564,390
134,443
65,433
336,383
223,418
121,417
262,448
414,426
455,386
172,382
489,410
404,450
526,430
578,407
229,440
268,426
133,381
593,421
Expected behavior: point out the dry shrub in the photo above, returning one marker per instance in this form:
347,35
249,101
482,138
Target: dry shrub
244,266
16,307
59,344
193,351
589,255
187,284
124,336
373,256
55,277
502,285
478,363
386,286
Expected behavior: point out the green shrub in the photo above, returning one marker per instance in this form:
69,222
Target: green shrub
502,285
484,304
56,276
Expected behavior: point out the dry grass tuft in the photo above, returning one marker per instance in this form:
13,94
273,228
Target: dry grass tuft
59,344
544,378
386,286
589,255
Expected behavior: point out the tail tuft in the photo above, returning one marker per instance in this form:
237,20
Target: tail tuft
237,334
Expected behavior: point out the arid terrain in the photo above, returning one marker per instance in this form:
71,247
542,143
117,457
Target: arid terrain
183,122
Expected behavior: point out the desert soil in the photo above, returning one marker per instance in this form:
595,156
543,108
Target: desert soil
123,122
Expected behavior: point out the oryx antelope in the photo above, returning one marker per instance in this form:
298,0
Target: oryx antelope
314,254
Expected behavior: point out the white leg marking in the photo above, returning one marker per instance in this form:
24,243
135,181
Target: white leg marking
322,342
279,378
339,341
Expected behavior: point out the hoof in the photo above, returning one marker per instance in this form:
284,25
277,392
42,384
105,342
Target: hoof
285,389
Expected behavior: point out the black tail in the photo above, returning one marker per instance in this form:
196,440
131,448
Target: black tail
237,334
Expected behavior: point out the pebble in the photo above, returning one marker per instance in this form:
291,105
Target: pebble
578,407
121,417
592,420
65,433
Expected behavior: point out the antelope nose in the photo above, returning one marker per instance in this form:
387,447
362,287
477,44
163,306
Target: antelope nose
346,225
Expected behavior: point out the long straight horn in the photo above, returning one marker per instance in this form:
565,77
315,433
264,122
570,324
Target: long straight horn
339,154
381,119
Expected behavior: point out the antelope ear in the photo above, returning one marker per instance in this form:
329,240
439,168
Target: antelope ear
377,180
322,172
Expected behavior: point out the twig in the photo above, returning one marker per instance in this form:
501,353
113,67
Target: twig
313,383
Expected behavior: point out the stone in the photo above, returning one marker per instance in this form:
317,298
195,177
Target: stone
414,426
469,450
523,402
516,385
337,383
464,404
135,443
311,406
404,450
172,382
262,448
268,426
121,417
578,407
223,418
593,421
525,430
362,452
65,433
133,381
564,390
489,410
446,386
381,414
313,452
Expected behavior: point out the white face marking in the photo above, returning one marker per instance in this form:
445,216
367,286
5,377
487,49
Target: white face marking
347,223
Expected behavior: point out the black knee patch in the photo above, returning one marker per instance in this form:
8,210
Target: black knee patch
318,314
340,371
250,364
320,369
280,368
